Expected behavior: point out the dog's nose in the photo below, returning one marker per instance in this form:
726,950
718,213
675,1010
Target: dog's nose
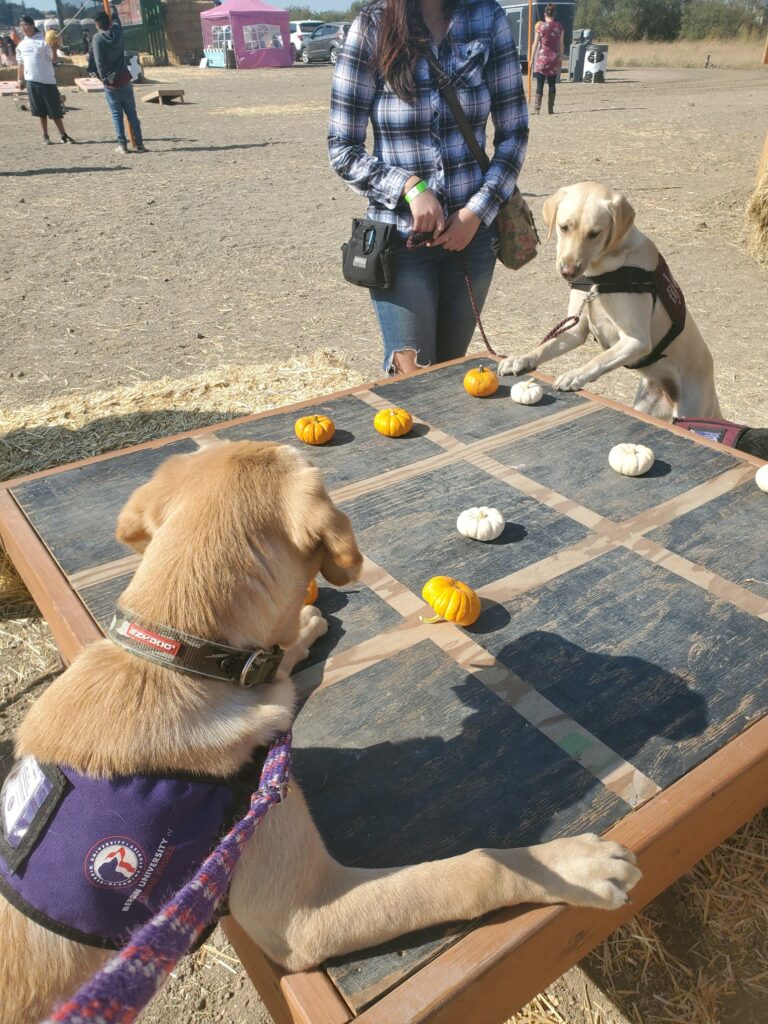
570,269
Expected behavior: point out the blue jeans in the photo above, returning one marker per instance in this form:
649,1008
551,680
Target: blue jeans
119,100
428,309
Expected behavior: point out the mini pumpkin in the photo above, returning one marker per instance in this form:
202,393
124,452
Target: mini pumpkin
393,422
630,459
526,392
314,429
481,382
761,478
312,592
452,600
481,523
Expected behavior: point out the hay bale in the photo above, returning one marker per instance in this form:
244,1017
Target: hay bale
757,219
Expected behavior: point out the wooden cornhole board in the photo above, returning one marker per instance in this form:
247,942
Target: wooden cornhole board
89,84
615,681
11,89
163,96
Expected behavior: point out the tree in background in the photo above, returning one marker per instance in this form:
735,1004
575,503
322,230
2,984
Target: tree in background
662,20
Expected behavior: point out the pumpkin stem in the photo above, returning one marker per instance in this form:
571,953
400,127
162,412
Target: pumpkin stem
435,618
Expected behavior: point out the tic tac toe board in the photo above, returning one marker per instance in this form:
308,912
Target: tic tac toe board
616,680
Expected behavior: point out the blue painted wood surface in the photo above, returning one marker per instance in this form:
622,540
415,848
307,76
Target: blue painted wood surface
439,398
356,451
728,536
658,669
411,530
573,460
75,512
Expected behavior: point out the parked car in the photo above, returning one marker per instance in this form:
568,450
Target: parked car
300,31
325,42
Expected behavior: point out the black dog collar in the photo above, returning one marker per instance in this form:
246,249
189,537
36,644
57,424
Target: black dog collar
183,652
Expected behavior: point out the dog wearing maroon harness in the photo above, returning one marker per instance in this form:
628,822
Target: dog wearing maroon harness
623,293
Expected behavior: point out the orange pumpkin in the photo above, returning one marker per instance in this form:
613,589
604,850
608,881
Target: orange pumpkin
314,429
481,382
312,592
393,422
452,600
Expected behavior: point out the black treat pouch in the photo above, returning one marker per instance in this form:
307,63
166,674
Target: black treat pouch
368,258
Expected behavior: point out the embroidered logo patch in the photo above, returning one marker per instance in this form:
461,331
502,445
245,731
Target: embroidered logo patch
159,643
114,862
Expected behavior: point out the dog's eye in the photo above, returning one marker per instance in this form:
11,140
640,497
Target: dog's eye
592,234
564,228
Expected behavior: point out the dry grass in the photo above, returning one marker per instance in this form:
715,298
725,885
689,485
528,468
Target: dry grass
697,955
63,429
687,53
757,221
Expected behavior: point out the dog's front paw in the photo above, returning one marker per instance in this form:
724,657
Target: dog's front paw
510,367
596,872
572,380
313,624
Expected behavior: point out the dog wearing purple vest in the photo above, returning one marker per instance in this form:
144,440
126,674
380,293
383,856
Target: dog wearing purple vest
230,537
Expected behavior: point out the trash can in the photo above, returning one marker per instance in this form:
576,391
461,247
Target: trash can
581,39
595,63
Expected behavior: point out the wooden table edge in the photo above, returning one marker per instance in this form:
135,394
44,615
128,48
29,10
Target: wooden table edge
69,620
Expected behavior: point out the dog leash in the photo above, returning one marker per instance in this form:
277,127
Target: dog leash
122,988
413,245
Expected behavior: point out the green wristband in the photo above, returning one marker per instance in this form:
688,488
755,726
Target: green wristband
410,195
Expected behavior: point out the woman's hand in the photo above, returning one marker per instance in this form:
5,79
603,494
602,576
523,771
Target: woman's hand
427,213
460,228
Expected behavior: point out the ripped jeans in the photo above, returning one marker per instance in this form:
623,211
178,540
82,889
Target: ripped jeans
428,309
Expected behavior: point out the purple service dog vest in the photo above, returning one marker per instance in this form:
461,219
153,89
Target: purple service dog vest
93,859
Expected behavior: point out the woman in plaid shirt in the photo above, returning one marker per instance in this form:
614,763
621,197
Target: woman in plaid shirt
421,175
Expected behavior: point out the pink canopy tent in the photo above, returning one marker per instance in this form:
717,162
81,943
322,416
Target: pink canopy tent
259,33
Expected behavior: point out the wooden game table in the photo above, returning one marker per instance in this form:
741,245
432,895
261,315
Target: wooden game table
615,681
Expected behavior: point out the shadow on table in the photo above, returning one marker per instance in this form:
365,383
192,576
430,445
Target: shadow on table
491,778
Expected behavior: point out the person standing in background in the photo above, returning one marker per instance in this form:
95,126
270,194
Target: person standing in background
36,69
109,61
421,175
547,57
7,52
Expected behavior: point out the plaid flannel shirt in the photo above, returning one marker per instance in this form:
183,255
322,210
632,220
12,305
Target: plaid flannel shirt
422,137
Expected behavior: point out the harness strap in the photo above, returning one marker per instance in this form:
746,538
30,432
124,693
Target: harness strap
625,279
635,280
657,352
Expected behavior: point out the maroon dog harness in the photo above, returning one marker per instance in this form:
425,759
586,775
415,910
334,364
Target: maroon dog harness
659,283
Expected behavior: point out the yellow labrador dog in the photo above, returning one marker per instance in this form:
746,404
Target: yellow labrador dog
231,536
623,294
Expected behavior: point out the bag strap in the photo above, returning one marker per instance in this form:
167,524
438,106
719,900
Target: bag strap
445,86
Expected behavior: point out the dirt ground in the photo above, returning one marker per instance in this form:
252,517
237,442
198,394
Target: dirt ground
221,246
222,243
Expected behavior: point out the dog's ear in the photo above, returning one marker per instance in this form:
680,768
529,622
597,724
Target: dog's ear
550,210
148,506
622,216
341,558
317,527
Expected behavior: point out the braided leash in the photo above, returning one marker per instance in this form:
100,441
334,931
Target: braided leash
124,986
412,243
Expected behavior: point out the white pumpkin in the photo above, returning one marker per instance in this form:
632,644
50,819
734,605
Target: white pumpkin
761,478
630,459
526,392
480,523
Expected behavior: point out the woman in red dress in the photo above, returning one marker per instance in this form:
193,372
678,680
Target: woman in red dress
547,57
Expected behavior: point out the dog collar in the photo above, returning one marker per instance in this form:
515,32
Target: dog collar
190,654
